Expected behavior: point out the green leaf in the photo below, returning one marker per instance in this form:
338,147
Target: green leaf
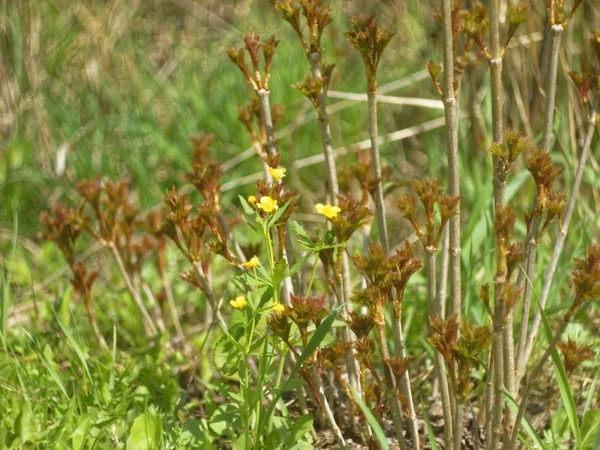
280,212
512,404
383,445
146,432
590,428
226,416
73,343
247,208
564,387
299,428
430,432
279,273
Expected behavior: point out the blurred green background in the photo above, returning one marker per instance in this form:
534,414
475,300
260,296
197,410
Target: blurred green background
117,87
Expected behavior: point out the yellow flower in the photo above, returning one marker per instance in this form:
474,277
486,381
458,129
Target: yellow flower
253,262
327,210
251,199
267,204
277,172
278,307
239,302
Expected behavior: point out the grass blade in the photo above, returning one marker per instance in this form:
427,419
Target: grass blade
512,404
566,393
383,445
430,432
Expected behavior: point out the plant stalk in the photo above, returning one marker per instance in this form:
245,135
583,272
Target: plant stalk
523,281
376,162
390,390
400,351
315,63
438,360
149,327
558,246
451,117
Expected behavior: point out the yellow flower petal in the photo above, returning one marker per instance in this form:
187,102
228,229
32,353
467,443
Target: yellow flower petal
267,204
239,302
277,172
253,262
278,307
251,199
328,211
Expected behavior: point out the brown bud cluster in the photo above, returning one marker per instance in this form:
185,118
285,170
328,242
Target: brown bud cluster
259,80
433,202
370,40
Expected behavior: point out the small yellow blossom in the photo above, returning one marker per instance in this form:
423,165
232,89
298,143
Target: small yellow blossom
267,204
327,210
277,172
239,302
251,199
278,307
252,263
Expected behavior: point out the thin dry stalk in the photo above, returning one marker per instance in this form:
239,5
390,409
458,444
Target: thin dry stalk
97,333
376,162
451,116
400,352
390,382
438,359
212,299
558,246
526,279
529,380
315,62
149,327
327,409
499,187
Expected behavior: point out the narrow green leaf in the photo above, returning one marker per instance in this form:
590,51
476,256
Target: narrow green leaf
430,432
375,426
73,343
564,387
512,404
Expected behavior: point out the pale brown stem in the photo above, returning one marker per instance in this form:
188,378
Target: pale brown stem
458,424
531,246
173,308
530,379
499,187
376,163
265,107
147,321
210,295
88,306
400,351
327,409
451,116
390,382
560,241
160,323
315,62
438,360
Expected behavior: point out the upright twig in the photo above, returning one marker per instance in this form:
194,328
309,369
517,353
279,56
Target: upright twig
527,278
451,116
370,40
147,321
438,359
558,246
315,88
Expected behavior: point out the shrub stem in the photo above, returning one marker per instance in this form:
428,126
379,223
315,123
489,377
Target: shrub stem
376,163
558,246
